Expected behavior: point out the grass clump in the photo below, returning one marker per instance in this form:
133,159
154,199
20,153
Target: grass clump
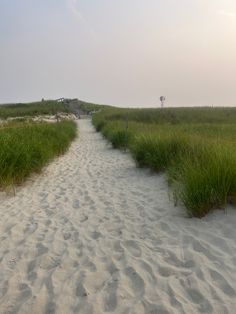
27,148
207,180
118,137
157,152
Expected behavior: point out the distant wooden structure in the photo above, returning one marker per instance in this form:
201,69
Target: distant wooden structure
60,99
75,106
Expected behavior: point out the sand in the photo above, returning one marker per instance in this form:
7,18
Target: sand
42,118
94,234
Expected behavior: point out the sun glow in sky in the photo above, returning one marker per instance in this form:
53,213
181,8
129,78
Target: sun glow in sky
126,52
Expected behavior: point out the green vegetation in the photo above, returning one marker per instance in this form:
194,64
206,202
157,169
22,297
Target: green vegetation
195,146
33,109
27,147
90,107
47,107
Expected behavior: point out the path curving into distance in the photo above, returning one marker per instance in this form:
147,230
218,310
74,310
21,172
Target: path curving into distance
94,234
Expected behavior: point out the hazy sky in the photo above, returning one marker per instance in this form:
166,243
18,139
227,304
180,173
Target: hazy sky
120,52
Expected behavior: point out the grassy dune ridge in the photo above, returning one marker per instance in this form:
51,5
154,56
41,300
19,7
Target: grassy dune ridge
46,107
27,147
32,109
195,146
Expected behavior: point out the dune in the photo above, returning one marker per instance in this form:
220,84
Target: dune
94,234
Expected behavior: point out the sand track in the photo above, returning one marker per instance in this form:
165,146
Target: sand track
93,234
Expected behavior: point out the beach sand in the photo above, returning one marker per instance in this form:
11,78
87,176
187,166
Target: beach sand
94,234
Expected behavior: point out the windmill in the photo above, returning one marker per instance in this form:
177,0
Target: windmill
162,99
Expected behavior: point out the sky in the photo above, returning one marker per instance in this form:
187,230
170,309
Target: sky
119,52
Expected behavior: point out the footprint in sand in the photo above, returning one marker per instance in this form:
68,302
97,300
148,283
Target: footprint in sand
137,283
110,295
80,290
95,235
117,247
198,298
50,262
18,299
84,218
31,274
4,288
222,283
66,235
133,248
76,204
41,249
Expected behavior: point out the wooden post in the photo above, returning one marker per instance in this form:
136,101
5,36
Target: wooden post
126,132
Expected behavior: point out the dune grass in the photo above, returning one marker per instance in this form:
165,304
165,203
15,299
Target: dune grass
33,109
194,146
26,148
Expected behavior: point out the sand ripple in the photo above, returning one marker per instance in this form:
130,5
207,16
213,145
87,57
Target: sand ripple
93,234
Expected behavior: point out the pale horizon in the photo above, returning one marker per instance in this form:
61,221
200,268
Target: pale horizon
125,53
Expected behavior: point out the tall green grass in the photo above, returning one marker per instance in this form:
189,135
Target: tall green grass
195,146
171,116
27,148
207,179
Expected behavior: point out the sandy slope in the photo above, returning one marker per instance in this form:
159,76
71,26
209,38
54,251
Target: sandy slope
93,234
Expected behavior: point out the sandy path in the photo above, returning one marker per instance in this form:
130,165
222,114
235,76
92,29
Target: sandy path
93,234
